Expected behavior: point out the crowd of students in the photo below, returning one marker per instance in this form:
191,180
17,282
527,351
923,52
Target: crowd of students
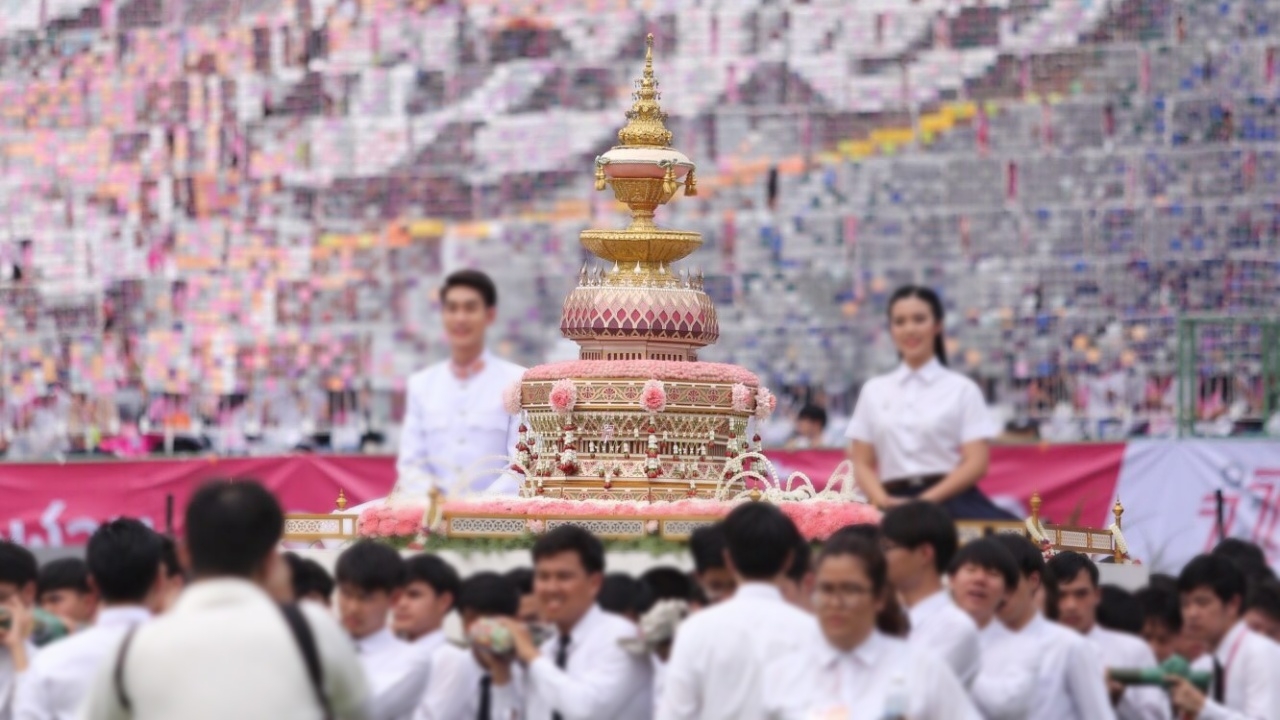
888,621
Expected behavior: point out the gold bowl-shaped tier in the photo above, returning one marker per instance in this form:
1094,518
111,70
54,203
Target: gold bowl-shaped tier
643,246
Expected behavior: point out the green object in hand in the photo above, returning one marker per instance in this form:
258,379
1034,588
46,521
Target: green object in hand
1176,665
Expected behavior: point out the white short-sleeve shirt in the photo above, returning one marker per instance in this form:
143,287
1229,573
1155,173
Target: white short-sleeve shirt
917,419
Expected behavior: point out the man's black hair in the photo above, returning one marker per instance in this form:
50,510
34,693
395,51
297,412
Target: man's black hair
124,557
371,566
522,578
1247,556
169,561
706,544
801,561
760,540
1216,572
232,527
1026,555
1264,597
1161,605
68,573
17,564
475,280
488,593
816,413
667,583
1067,566
435,572
868,531
316,580
987,554
922,523
1163,581
622,594
575,539
1120,611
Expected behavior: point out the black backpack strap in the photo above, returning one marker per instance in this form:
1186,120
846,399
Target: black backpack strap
306,641
117,674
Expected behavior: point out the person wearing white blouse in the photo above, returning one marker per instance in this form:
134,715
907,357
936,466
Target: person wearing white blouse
919,540
1243,663
921,431
457,435
855,670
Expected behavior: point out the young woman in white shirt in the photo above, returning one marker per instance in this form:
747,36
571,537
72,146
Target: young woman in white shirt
856,670
922,430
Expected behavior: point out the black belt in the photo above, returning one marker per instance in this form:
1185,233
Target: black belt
913,485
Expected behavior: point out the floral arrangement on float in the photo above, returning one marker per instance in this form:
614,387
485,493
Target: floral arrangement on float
401,525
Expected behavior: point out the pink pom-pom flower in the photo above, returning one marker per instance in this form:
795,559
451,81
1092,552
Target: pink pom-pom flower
653,398
766,403
741,398
564,395
511,400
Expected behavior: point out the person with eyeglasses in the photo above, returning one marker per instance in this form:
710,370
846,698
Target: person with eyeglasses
857,670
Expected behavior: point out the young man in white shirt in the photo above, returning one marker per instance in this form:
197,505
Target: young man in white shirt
430,589
706,544
63,590
583,672
1244,664
370,579
857,670
459,687
1262,610
717,664
1078,598
123,560
1072,682
226,649
983,576
457,436
919,540
18,573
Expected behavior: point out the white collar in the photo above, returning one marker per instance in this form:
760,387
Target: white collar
929,606
758,590
377,642
926,373
1230,642
435,637
121,616
866,654
221,591
582,627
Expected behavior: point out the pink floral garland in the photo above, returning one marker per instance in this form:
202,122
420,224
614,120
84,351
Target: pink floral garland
741,398
669,370
765,403
816,519
564,396
390,521
512,400
653,398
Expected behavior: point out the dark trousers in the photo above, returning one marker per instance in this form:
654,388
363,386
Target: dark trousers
968,505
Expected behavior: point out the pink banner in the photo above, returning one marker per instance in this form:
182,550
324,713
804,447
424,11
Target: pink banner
61,504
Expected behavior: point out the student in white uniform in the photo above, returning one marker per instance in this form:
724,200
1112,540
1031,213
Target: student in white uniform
922,431
430,590
457,435
583,672
18,572
855,670
1078,598
983,576
1262,610
123,558
458,686
63,590
1244,664
707,546
919,541
717,664
370,578
226,649
1071,683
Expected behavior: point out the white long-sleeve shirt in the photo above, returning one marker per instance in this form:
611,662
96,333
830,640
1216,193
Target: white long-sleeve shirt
396,672
225,651
9,680
1118,650
939,627
717,663
600,679
457,431
1071,684
1250,663
1007,677
881,674
454,686
59,678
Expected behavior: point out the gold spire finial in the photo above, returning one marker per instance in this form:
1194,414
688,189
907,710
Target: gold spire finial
1118,511
645,120
341,502
1035,506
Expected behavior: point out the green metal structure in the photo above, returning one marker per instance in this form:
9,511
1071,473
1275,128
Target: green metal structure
1235,358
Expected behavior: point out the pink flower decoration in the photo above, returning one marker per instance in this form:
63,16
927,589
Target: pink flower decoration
564,395
651,527
670,370
741,398
765,403
387,527
653,397
536,526
511,400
